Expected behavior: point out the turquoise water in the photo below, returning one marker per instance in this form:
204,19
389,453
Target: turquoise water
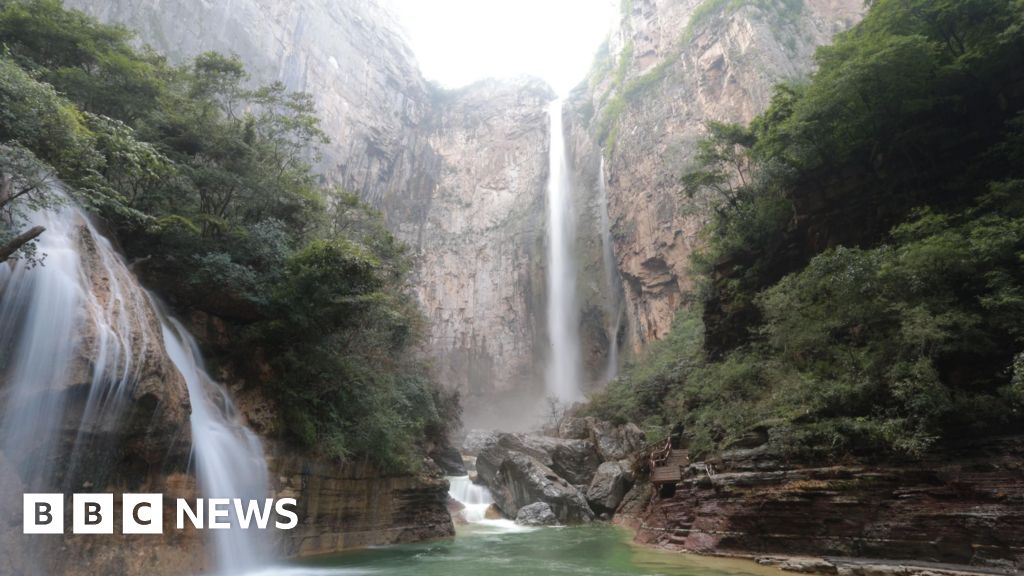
493,550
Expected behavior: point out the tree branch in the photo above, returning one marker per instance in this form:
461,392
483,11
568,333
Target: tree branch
8,249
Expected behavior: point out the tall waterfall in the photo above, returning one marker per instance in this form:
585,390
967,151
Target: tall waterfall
613,289
564,365
81,318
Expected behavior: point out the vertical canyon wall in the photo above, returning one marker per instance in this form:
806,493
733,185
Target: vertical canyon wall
459,175
671,66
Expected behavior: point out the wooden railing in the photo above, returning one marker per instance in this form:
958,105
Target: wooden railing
660,456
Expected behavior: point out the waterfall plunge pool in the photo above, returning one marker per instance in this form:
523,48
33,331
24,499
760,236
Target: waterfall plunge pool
481,550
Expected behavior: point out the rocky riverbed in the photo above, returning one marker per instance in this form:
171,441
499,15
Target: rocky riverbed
961,510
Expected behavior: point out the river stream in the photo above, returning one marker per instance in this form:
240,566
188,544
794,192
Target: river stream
483,550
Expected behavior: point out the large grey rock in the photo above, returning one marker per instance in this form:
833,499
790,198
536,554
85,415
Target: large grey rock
635,502
574,460
611,483
573,428
517,480
615,442
477,440
536,514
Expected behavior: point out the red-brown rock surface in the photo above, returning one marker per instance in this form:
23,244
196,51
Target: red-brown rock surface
964,505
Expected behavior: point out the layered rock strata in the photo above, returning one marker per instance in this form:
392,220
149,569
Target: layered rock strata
962,506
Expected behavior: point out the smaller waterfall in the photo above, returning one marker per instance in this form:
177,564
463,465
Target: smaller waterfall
613,289
229,457
81,325
74,319
564,366
476,499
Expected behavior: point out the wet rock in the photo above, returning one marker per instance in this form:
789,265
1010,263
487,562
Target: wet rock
493,513
574,460
536,514
611,483
455,509
517,480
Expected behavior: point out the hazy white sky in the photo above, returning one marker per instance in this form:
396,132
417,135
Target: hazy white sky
460,41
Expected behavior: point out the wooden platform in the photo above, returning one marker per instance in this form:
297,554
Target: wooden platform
670,471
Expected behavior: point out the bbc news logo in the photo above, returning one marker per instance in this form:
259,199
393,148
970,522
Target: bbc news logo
143,513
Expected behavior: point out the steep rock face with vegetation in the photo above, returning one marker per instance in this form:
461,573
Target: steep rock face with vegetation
670,67
297,291
350,56
855,338
458,176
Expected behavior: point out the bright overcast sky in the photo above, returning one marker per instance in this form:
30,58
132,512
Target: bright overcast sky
460,41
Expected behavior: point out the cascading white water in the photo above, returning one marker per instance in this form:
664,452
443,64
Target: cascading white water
229,458
58,327
476,499
563,371
613,304
82,310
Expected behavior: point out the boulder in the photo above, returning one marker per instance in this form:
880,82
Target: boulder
615,442
477,440
574,460
634,503
517,480
536,514
573,428
611,483
455,509
493,513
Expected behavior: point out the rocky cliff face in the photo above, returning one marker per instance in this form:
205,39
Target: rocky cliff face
670,67
349,55
962,506
147,449
459,175
481,272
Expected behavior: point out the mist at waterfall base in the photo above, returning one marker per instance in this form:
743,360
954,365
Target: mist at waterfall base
55,321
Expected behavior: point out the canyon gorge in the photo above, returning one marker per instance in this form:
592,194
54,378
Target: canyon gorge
545,243
460,175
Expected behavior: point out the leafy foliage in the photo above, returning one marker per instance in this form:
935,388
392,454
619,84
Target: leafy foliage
206,180
862,285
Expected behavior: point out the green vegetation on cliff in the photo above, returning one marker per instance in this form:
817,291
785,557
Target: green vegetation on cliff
206,183
862,288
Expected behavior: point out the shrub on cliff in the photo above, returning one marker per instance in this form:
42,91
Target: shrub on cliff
206,181
862,287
